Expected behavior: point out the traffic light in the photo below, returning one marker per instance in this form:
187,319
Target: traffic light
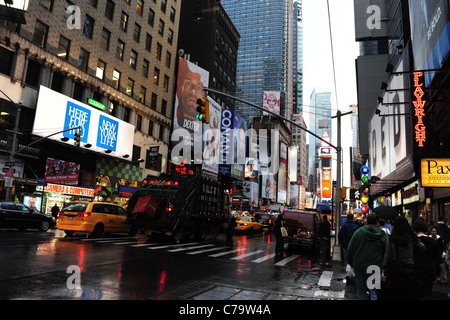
77,138
203,110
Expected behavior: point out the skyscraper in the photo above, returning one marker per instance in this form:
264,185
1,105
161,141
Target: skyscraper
265,60
319,123
298,58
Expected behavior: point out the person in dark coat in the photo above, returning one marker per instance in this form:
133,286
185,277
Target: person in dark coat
345,235
55,211
324,239
230,231
278,237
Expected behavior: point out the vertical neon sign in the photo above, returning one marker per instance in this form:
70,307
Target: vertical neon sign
419,103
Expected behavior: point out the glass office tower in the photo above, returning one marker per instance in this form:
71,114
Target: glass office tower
265,60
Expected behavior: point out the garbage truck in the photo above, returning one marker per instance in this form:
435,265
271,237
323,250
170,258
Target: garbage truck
185,207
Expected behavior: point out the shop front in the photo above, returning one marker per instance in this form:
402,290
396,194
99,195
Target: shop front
62,194
413,199
116,181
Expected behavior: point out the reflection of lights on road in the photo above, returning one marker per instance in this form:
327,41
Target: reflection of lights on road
46,249
81,256
162,280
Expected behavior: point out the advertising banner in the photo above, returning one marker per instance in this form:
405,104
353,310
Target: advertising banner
430,33
282,174
61,172
100,131
271,102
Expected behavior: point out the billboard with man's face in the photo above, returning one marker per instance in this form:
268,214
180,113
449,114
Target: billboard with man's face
190,82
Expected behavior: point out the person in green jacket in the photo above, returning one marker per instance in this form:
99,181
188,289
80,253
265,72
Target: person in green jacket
366,249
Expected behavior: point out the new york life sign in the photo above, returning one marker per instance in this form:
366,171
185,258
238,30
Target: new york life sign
99,131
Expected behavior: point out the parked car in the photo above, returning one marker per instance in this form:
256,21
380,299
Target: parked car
92,217
247,223
18,215
302,228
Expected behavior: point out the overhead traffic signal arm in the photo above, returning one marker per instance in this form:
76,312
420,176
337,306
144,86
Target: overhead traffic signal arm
203,110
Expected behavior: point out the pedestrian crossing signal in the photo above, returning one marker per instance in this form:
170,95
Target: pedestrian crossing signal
77,138
203,110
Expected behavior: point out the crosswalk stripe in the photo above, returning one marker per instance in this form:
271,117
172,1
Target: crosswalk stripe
285,261
190,248
242,256
207,250
129,242
223,253
107,239
259,260
173,245
325,279
144,245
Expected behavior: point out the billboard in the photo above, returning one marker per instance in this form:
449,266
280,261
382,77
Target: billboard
282,174
211,138
435,172
388,148
61,172
99,131
430,33
190,82
271,102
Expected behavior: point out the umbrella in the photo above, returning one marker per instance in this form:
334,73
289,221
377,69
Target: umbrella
386,212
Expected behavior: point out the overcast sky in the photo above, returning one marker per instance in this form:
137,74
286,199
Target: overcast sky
317,61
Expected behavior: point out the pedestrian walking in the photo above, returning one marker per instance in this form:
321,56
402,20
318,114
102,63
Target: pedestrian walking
398,263
428,262
439,240
366,249
230,230
345,235
55,211
443,230
279,242
324,240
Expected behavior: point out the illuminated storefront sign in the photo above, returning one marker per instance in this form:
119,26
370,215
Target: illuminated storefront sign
69,190
419,103
435,172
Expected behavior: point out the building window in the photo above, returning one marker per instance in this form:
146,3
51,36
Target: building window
93,3
139,122
116,79
106,36
88,29
124,21
139,7
83,60
33,73
163,107
161,132
137,32
156,76
145,67
158,51
170,36
168,59
153,104
47,4
109,11
120,49
148,42
130,87
40,34
150,128
151,17
68,13
126,114
6,60
163,5
142,94
166,83
161,27
63,48
100,72
133,59
172,14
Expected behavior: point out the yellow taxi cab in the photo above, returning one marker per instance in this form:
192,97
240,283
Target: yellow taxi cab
247,223
94,217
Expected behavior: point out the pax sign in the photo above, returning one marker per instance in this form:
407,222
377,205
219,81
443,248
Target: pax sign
435,172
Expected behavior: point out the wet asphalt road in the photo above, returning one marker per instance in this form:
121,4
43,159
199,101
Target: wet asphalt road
34,265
